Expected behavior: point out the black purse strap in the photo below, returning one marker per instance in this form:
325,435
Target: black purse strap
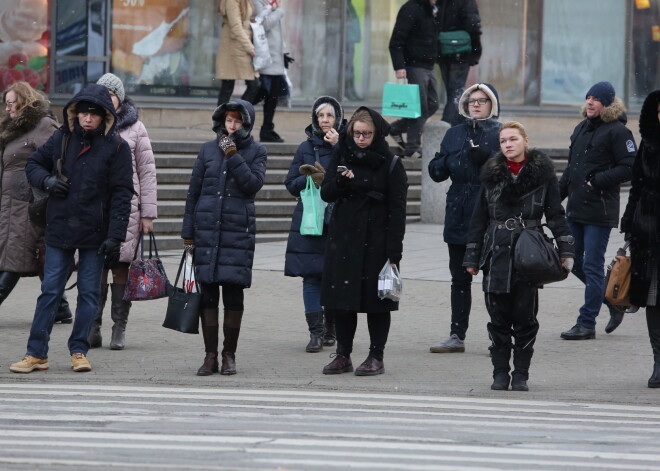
181,265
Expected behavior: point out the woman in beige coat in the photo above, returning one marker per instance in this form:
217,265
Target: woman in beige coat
27,125
143,212
235,50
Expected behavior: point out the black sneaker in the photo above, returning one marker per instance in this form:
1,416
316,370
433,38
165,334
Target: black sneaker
398,138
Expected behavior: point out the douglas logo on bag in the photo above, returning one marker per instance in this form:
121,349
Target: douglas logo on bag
398,105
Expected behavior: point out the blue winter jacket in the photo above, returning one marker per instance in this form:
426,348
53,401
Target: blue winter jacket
98,166
220,213
456,161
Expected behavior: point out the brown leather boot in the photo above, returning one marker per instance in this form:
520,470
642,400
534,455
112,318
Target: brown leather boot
231,327
210,326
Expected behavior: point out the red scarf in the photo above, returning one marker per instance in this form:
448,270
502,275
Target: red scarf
516,166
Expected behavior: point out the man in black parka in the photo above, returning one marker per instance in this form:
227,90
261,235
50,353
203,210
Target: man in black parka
414,48
86,168
600,159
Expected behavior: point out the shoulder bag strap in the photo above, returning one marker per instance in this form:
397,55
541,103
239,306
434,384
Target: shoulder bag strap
60,161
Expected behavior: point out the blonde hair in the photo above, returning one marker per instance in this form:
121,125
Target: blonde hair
514,125
26,96
363,116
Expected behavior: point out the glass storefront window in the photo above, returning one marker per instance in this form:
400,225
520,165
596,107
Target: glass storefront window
24,43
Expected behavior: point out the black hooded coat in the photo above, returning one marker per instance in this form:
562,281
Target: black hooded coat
641,218
368,221
98,166
304,253
220,214
530,196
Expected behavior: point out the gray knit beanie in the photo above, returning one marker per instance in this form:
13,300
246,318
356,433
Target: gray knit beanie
114,84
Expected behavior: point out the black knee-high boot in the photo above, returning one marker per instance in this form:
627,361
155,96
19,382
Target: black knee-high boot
8,281
522,358
231,327
210,327
501,356
653,323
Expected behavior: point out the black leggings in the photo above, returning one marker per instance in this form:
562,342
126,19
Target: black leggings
232,296
346,325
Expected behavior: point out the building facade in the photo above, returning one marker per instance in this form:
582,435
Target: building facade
537,53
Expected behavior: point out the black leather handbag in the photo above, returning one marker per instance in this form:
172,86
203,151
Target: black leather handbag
182,305
536,258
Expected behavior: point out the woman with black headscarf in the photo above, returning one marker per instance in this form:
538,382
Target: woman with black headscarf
641,223
368,185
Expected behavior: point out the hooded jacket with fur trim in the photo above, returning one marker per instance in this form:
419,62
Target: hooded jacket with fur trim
461,162
19,138
641,219
600,159
534,193
220,214
97,164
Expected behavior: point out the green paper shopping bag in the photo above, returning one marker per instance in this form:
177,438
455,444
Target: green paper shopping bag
401,100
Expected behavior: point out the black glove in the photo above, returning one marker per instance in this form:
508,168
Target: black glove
110,247
287,60
479,155
55,186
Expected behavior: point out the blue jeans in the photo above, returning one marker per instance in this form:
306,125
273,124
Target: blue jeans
56,271
590,246
312,294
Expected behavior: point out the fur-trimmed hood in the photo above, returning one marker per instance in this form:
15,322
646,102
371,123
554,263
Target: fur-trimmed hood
649,126
501,183
617,110
27,119
489,90
244,108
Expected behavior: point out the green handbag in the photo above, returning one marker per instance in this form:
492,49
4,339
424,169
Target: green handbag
455,42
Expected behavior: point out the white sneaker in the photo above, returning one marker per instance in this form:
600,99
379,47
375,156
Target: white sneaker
452,345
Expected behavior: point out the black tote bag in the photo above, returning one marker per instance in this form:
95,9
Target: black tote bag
182,306
537,259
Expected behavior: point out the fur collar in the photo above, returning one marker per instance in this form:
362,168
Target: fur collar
501,184
127,115
616,110
24,122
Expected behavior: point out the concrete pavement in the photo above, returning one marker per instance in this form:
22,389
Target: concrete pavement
611,368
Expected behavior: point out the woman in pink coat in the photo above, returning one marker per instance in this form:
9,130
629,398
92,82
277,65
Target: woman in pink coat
143,212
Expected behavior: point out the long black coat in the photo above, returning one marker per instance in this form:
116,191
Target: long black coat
532,195
457,161
641,218
368,222
220,215
98,166
304,253
602,152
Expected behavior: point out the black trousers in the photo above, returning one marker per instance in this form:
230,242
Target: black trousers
346,325
227,88
461,291
653,324
514,315
232,296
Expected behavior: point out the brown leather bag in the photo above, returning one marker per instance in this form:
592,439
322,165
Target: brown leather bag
617,288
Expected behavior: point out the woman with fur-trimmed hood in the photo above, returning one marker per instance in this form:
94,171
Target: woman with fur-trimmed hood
27,125
519,187
641,223
463,151
304,253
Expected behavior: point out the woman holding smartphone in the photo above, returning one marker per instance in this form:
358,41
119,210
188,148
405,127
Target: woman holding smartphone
368,186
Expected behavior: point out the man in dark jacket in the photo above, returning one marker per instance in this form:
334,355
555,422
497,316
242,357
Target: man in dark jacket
414,48
86,168
458,15
601,156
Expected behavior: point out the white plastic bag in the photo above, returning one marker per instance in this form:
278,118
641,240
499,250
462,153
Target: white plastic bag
260,43
189,275
389,283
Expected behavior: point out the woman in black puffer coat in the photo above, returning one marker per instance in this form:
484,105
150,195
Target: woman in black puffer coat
641,223
366,230
304,253
518,188
219,224
463,151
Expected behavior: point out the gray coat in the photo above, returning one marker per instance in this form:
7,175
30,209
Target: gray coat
273,26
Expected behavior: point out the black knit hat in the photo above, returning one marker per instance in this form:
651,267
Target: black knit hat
89,107
604,91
